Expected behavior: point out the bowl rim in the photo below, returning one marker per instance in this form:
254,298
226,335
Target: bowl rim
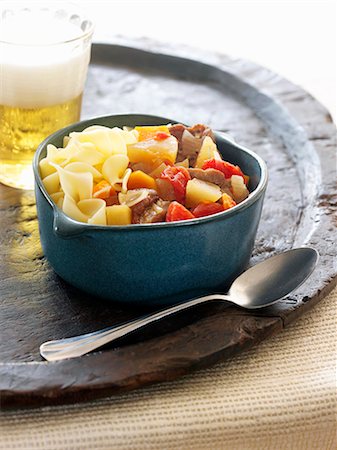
252,198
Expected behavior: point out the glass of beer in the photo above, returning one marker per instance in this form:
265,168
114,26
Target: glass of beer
44,57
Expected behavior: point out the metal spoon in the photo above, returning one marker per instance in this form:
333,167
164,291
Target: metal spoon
260,286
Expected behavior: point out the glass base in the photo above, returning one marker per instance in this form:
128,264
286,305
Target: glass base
19,176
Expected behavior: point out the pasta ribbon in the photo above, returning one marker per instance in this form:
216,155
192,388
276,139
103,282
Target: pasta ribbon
77,185
60,156
114,169
88,211
129,136
52,183
72,210
86,153
94,209
105,140
58,198
132,197
80,167
46,168
125,180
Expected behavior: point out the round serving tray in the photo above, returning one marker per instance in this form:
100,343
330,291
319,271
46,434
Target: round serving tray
278,120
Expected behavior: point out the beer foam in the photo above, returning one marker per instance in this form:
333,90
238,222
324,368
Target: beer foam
43,64
37,29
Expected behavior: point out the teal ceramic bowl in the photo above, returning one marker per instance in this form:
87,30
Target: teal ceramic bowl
150,264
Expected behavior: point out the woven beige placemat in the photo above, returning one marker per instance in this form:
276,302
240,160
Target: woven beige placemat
280,395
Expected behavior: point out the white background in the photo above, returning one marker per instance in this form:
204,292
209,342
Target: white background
296,38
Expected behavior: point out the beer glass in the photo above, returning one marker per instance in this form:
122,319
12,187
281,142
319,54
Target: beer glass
44,57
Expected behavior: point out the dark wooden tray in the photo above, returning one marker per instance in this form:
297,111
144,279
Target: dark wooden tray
280,121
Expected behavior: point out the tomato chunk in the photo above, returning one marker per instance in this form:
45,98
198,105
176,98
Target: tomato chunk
176,211
178,177
161,135
207,209
225,167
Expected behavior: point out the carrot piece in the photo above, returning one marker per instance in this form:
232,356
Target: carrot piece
139,179
227,201
103,190
149,132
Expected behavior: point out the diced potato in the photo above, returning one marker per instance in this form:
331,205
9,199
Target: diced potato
138,154
118,215
208,151
185,163
198,191
239,189
148,132
158,170
150,150
139,179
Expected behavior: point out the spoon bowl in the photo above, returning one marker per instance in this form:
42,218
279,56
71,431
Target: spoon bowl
260,286
272,279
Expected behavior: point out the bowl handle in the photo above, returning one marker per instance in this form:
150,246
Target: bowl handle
65,227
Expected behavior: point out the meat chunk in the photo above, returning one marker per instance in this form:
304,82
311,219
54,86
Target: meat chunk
212,176
165,189
201,131
150,210
190,148
190,140
112,200
139,208
177,131
155,213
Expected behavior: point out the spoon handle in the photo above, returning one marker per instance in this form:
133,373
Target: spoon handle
85,343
